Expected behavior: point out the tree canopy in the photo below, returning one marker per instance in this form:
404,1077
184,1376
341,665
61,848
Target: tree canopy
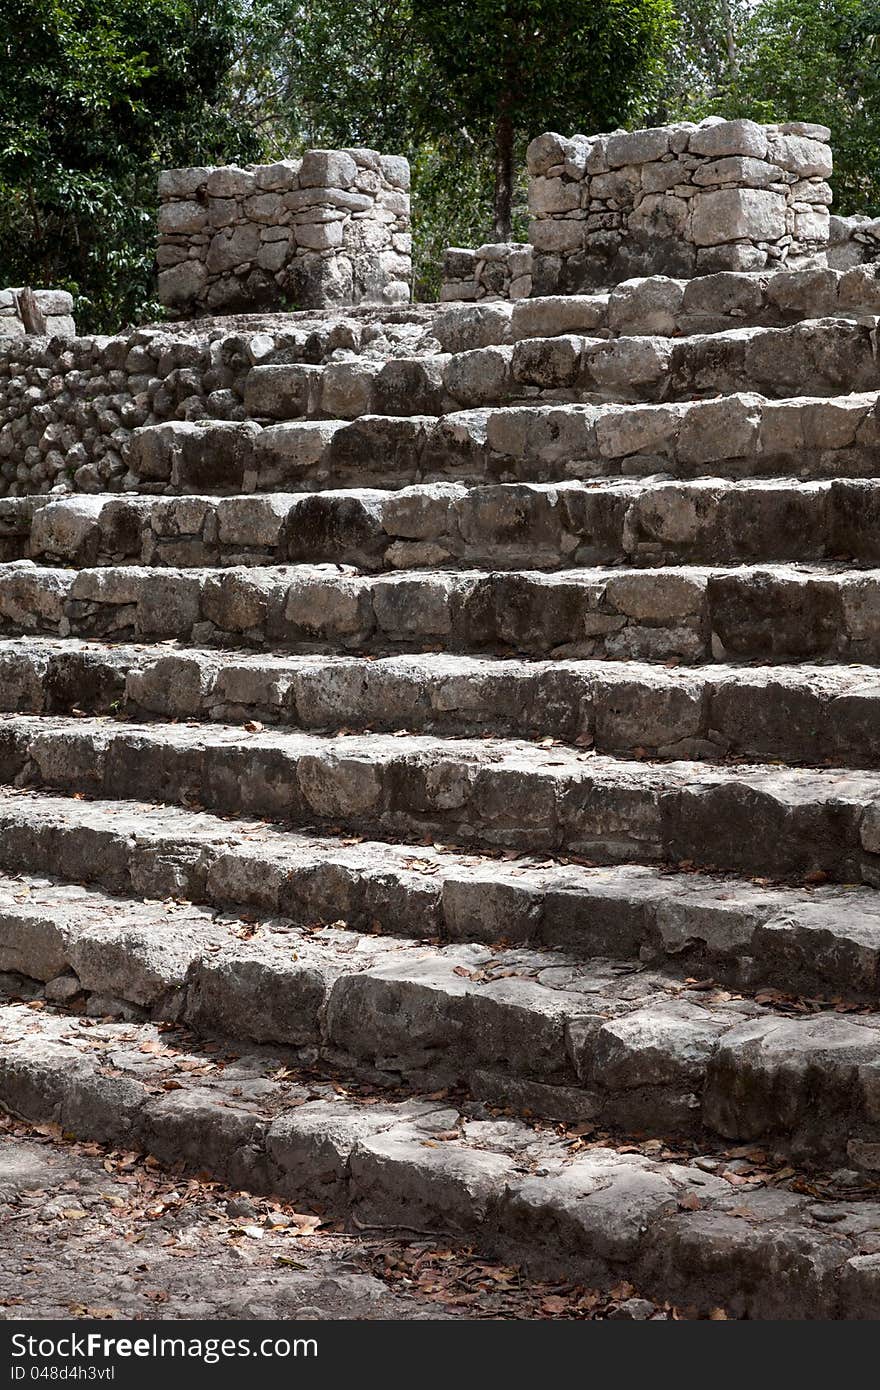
508,69
814,60
96,98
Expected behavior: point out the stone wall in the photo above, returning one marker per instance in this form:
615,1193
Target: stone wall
667,307
853,241
68,406
679,200
55,308
330,228
498,270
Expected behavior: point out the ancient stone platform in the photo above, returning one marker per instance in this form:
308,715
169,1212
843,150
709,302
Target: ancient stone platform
474,729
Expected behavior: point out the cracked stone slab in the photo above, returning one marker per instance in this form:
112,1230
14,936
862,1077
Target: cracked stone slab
818,939
512,1188
798,714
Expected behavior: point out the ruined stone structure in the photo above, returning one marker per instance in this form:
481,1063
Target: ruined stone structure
68,406
330,228
853,241
679,200
499,270
50,312
488,709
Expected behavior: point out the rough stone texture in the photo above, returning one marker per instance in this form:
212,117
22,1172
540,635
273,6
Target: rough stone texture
498,270
330,228
68,405
677,200
814,357
815,938
662,305
685,1232
55,308
852,241
439,775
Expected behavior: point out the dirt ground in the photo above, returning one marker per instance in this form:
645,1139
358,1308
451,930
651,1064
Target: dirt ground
87,1232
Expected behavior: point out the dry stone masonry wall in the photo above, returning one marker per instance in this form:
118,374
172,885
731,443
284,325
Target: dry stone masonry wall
677,200
853,241
68,405
330,228
499,270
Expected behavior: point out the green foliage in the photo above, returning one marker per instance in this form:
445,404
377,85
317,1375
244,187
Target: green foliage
97,97
566,64
452,199
94,100
703,56
505,70
811,60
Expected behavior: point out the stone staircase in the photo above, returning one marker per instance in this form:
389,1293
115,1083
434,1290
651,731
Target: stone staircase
449,796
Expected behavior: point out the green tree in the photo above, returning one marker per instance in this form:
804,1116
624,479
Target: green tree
811,60
703,57
94,100
505,70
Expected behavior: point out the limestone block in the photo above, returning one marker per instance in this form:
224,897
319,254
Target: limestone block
551,235
395,170
281,177
272,255
182,284
548,150
264,207
735,168
729,137
230,182
229,249
659,215
731,214
802,156
637,146
181,217
327,169
319,236
553,195
182,183
813,225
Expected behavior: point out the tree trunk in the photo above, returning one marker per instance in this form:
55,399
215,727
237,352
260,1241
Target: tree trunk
730,40
503,173
31,314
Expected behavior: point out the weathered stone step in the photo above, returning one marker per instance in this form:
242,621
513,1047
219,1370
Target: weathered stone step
573,1208
690,614
738,435
774,821
658,304
803,714
818,357
818,940
503,525
603,1041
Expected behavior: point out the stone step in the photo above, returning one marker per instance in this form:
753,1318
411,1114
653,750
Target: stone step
500,525
741,435
793,714
564,1205
485,793
819,941
817,357
658,304
607,1042
765,613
